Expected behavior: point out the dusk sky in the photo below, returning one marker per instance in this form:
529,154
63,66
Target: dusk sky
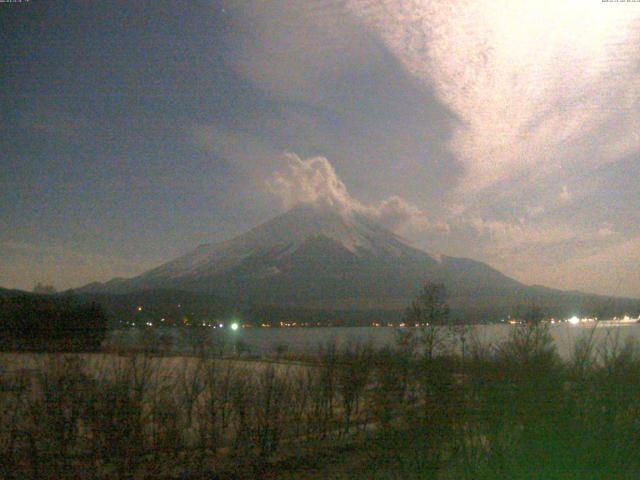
506,131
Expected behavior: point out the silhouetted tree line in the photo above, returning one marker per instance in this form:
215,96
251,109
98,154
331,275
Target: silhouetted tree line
513,409
424,408
34,322
44,289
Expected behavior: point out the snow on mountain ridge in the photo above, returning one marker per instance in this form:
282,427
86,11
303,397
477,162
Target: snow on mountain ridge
285,234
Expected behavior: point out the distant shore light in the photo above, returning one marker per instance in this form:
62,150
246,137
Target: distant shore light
574,320
234,326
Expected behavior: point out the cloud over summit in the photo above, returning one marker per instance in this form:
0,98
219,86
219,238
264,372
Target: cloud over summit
314,181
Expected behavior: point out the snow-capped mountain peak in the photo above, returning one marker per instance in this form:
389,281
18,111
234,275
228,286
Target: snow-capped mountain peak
286,234
317,258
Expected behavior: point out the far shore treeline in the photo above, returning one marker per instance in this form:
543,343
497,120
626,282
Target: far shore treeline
79,321
193,308
51,323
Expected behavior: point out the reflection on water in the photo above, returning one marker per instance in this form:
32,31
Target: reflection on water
261,341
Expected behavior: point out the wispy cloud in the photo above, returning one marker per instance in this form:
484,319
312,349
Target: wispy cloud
606,230
565,195
536,85
25,264
315,181
605,266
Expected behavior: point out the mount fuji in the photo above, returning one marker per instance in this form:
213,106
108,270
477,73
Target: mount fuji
317,258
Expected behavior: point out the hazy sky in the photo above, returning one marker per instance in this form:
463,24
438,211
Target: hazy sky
502,130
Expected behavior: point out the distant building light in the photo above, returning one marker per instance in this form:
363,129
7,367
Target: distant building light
139,308
234,326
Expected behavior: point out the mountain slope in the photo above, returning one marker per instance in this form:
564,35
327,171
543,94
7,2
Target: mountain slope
318,258
286,235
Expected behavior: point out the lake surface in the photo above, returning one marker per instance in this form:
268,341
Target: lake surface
308,340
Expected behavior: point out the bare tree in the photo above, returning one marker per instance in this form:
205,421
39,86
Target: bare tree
271,394
430,312
352,378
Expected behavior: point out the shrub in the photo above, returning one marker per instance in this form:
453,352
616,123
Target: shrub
51,323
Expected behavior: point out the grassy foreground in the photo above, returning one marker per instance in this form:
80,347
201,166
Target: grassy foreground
513,410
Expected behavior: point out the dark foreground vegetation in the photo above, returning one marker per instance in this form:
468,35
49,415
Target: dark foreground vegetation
50,323
507,411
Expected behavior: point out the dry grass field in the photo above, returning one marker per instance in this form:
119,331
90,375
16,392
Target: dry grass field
354,412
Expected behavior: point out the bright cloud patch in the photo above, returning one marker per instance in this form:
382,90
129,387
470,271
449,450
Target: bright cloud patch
315,181
537,86
565,195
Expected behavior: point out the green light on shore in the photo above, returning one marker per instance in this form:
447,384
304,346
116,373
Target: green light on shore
234,326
